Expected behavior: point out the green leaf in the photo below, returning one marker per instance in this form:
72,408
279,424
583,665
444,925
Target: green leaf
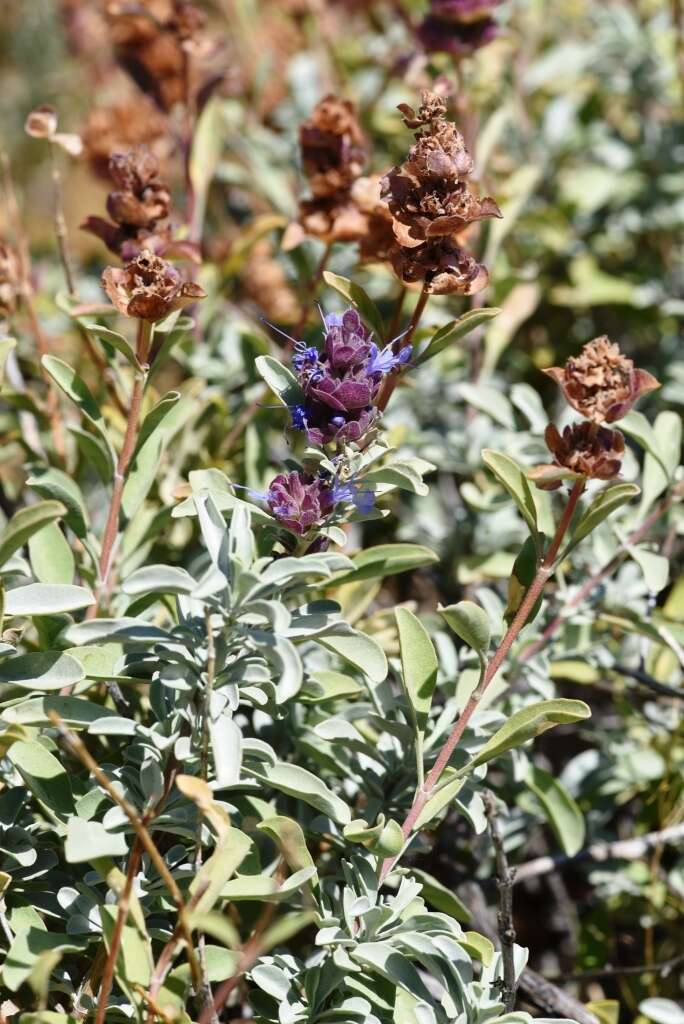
529,722
77,390
401,475
265,888
637,426
440,897
659,470
470,623
304,785
655,567
522,576
419,665
385,839
25,523
52,560
564,816
54,483
48,670
116,340
212,877
443,796
26,950
513,479
383,959
289,836
46,599
280,380
76,712
606,502
361,651
158,429
88,840
44,776
159,579
386,560
454,331
478,946
133,963
355,294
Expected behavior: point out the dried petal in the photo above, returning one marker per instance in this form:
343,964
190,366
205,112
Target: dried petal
601,383
582,450
149,288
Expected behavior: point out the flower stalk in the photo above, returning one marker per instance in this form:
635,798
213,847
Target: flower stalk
145,330
544,573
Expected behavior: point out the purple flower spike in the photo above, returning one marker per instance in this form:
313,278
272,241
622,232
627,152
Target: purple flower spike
299,502
341,383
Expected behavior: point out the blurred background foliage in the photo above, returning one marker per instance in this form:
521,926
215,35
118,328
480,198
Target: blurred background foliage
574,116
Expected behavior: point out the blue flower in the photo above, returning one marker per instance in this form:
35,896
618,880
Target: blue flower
363,499
384,360
298,414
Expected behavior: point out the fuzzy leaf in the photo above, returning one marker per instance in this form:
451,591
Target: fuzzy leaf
564,816
419,665
470,623
513,479
529,722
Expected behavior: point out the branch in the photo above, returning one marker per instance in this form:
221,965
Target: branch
543,993
606,570
79,750
544,573
647,680
505,917
620,849
130,437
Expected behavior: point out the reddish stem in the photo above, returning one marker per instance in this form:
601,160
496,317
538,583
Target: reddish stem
390,383
130,437
122,915
544,572
597,578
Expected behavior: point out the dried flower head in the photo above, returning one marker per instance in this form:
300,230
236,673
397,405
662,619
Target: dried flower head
137,204
10,280
153,39
441,266
601,383
458,27
431,204
377,239
428,195
333,154
582,450
332,146
149,288
122,126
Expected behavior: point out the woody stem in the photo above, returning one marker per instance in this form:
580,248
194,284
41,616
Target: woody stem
544,573
390,383
130,437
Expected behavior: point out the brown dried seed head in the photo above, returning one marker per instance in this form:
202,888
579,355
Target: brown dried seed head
601,383
332,146
149,288
442,267
122,126
582,450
